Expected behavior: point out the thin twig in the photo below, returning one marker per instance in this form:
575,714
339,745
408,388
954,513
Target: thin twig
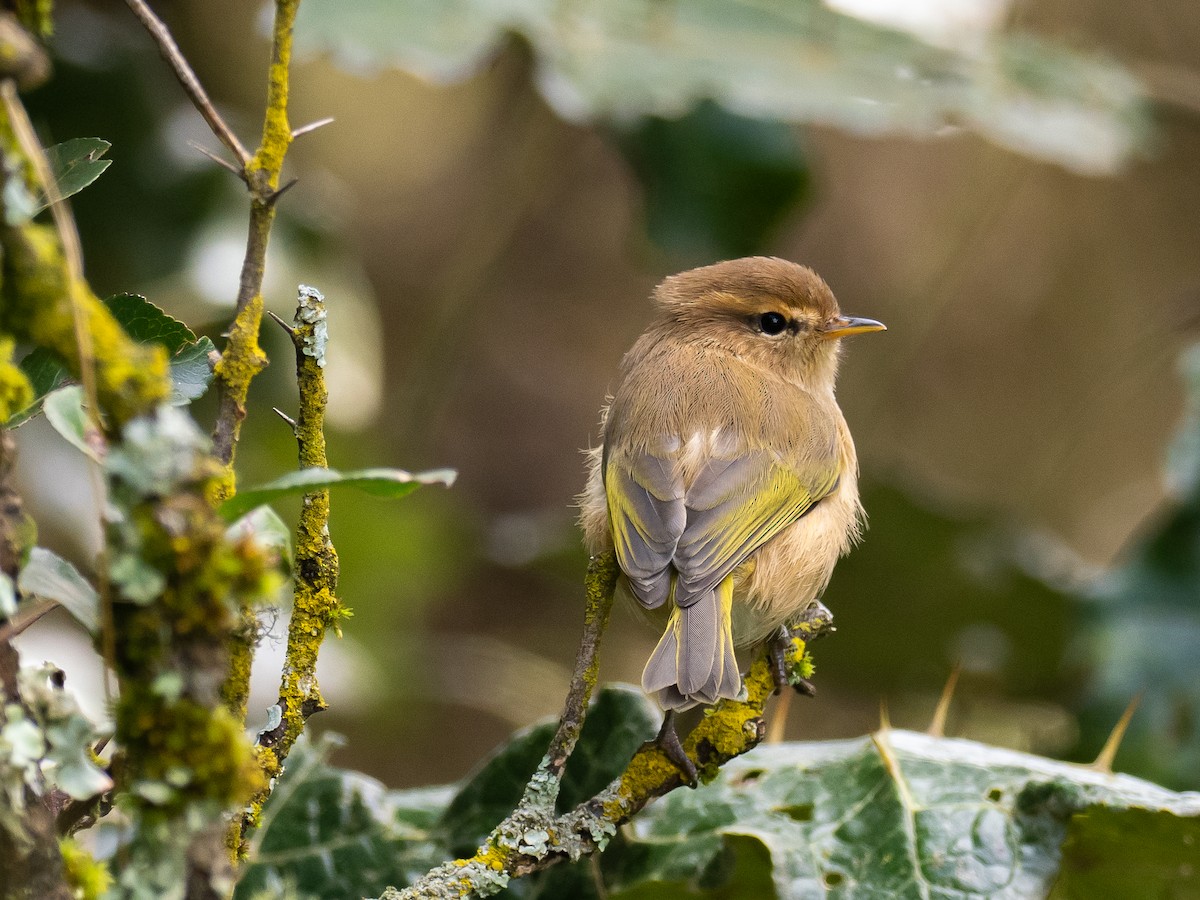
187,77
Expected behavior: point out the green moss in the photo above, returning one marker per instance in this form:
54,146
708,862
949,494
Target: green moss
41,305
16,392
88,878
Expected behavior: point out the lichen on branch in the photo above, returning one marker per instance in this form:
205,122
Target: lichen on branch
316,606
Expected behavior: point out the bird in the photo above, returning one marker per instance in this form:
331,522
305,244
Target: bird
726,480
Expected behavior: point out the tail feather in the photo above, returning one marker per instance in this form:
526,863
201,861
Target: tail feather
694,661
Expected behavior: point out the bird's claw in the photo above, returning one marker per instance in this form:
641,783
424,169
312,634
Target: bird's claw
668,741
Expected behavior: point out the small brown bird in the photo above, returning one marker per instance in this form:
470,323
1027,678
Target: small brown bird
727,482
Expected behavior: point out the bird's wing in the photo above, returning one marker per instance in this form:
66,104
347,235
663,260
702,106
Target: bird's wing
702,532
645,508
734,506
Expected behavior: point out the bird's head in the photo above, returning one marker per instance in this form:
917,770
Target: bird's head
767,311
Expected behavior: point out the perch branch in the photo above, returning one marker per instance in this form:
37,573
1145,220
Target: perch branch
316,606
533,837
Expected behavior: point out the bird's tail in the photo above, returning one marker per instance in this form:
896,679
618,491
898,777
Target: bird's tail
694,662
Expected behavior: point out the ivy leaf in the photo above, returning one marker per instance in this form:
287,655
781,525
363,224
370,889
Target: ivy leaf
893,814
389,483
334,834
75,164
51,577
64,411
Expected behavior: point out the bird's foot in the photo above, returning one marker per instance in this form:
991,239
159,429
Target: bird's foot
782,649
668,741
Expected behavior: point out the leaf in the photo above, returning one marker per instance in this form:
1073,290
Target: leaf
389,483
334,834
147,323
75,164
45,370
716,184
791,60
619,720
894,814
64,411
191,371
51,577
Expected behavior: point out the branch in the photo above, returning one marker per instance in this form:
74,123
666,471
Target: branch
191,84
533,837
316,605
243,359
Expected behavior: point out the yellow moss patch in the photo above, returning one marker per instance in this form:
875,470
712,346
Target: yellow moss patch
16,392
88,878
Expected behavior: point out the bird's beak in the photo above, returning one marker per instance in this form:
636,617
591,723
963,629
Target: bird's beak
843,326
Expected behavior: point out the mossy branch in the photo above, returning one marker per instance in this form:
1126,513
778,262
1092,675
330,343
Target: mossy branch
534,837
316,606
242,358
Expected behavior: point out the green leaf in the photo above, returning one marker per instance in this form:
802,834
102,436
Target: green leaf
64,411
1134,854
329,833
717,185
191,371
51,577
75,164
46,371
619,720
894,814
147,323
791,60
390,483
267,528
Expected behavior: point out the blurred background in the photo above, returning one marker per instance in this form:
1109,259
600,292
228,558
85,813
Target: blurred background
1011,186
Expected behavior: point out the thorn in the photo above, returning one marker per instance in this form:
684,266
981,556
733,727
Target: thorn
779,717
885,722
937,727
1108,752
281,323
291,422
219,160
273,198
311,126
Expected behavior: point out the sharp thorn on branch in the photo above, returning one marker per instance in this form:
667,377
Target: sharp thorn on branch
218,159
274,196
311,126
290,421
281,323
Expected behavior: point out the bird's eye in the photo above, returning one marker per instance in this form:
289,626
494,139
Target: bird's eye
772,323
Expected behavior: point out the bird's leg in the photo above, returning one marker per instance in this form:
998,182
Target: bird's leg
668,741
777,651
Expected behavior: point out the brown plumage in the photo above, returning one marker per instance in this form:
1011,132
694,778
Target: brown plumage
727,479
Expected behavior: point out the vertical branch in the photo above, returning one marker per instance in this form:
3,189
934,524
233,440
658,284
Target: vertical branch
316,606
243,358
